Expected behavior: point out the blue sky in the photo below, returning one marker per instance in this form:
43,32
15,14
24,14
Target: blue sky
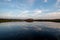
37,9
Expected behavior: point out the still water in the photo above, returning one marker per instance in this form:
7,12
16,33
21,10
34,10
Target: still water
29,31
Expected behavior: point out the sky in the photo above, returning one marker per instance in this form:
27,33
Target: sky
36,9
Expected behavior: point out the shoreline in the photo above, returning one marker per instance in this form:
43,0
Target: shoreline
30,20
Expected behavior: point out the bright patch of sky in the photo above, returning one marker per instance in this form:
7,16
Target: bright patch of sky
37,9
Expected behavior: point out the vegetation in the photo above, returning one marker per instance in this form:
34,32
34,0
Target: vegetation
29,20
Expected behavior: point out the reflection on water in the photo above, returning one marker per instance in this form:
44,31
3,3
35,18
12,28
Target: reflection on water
20,30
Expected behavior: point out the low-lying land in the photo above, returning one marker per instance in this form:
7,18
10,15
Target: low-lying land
29,20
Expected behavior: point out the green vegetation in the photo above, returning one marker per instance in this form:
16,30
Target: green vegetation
10,20
29,20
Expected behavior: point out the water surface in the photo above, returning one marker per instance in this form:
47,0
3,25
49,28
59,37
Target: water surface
18,30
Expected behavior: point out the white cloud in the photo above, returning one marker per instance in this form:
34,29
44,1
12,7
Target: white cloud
22,14
45,0
30,13
36,14
25,11
52,15
8,0
58,4
30,2
58,0
7,15
38,11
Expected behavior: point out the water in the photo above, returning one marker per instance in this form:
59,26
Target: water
29,31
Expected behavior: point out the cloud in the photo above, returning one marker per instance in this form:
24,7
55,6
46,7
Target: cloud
29,14
52,15
7,14
38,11
58,0
8,0
30,2
45,0
22,14
58,4
35,14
